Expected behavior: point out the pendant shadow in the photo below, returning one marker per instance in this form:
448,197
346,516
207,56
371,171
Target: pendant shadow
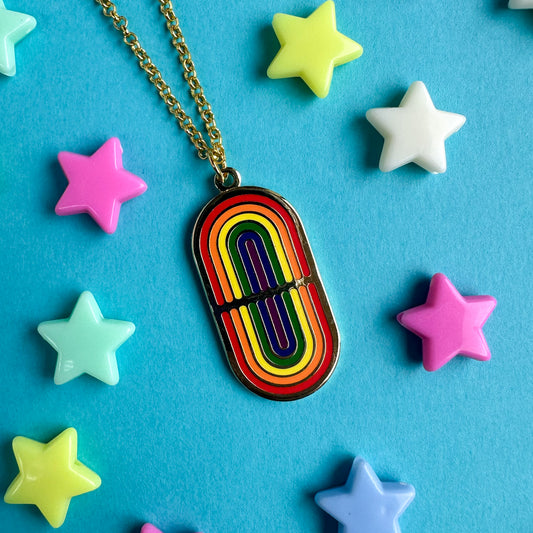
186,244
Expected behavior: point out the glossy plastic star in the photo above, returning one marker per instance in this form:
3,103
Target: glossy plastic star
86,342
364,504
521,4
414,132
311,47
149,528
449,324
98,185
13,27
50,475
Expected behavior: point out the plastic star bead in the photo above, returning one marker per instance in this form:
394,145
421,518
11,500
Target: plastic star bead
98,185
50,475
521,4
86,342
149,528
364,504
415,131
13,27
449,324
311,47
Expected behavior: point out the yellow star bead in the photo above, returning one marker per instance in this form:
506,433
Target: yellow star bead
50,475
311,47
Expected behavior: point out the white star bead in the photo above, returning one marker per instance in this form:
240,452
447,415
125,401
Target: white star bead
415,131
520,4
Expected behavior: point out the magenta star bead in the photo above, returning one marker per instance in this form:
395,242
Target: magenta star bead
449,324
98,184
149,528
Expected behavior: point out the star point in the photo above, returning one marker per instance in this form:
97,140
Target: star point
449,324
149,528
415,131
311,47
50,475
98,185
13,28
520,4
86,342
364,504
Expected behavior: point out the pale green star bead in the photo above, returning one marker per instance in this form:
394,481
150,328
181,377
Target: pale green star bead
13,27
86,342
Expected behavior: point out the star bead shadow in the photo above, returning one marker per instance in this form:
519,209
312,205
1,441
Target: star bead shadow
500,4
416,296
137,529
372,142
338,477
9,470
58,184
46,354
268,48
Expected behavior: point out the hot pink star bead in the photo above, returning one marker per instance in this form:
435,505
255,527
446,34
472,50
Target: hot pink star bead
149,528
98,184
449,324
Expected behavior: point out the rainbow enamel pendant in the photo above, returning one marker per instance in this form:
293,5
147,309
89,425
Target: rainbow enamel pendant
265,293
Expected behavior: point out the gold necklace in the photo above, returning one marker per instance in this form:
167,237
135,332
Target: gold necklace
252,254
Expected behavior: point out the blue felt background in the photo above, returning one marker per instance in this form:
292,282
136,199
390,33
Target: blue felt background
179,441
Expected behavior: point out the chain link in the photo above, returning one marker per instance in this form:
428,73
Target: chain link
213,151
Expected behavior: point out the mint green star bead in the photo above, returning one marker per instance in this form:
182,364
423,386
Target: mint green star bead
86,342
13,27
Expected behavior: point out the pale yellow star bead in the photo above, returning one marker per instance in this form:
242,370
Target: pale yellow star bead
311,47
50,475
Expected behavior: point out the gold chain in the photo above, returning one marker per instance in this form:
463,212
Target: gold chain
214,151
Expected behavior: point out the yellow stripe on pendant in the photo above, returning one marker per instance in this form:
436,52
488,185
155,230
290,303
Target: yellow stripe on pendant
280,251
256,348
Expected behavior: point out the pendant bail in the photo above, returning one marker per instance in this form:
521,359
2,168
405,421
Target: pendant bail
227,178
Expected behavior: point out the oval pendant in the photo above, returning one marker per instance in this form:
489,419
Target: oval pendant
265,293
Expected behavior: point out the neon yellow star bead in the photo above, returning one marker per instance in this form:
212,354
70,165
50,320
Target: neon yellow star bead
50,475
311,47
